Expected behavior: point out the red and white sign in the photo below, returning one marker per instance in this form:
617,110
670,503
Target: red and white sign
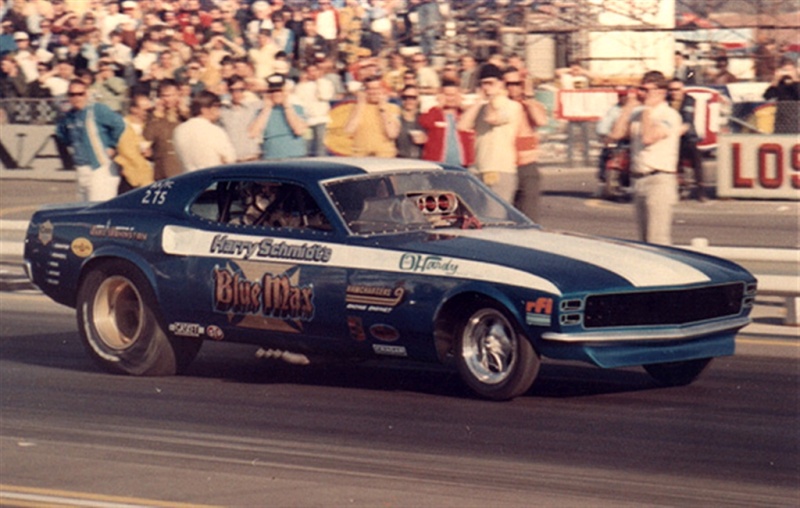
760,167
710,105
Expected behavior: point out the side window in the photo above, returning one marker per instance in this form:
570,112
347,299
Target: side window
205,205
262,204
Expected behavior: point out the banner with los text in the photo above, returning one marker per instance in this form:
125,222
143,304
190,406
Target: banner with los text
759,167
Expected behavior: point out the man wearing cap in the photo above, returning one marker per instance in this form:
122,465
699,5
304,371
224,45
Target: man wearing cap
496,120
280,125
91,133
25,57
201,143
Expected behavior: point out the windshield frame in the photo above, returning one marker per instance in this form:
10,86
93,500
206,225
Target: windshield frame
508,215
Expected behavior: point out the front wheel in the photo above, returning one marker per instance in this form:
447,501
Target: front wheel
118,323
677,373
492,356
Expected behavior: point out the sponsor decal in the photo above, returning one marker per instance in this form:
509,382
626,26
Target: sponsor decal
373,298
427,264
271,296
82,247
268,248
117,232
356,327
539,311
383,332
46,232
387,350
182,329
215,332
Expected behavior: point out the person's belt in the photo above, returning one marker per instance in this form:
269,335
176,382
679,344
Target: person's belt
656,172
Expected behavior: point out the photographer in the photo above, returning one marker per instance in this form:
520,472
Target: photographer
785,89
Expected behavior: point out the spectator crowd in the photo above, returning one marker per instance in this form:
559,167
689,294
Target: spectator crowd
154,88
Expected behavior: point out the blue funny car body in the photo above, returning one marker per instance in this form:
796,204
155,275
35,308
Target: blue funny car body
361,258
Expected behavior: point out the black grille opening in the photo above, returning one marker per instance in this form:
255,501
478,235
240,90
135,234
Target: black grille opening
663,307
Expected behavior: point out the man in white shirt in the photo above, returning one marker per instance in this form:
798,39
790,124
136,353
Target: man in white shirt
314,93
496,121
199,142
236,118
654,129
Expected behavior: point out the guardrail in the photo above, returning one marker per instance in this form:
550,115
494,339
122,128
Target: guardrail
784,286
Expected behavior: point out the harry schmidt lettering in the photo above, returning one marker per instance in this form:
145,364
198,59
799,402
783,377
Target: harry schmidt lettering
270,249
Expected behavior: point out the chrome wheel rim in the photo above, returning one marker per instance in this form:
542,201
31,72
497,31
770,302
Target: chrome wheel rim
489,346
118,312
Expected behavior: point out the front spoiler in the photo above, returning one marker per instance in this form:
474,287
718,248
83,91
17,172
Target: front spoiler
687,332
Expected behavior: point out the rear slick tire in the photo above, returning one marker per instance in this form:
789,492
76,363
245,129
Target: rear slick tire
493,358
119,325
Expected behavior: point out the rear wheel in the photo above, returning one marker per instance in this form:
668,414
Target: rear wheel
117,319
677,373
492,356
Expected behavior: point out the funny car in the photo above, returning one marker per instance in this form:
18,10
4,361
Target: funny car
354,258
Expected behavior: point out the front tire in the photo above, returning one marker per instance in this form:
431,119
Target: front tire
677,373
117,320
492,356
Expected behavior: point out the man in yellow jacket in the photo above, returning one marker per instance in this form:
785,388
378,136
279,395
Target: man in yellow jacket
132,148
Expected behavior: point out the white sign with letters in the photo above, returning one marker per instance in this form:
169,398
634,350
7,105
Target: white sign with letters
759,167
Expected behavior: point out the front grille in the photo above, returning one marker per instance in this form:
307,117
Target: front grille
663,307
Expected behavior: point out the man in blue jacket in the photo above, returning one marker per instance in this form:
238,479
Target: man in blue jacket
91,132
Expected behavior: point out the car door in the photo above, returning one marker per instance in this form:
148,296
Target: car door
255,256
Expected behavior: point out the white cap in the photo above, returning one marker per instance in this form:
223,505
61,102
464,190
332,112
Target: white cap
21,36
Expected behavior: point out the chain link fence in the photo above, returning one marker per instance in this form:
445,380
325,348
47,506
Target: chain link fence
32,111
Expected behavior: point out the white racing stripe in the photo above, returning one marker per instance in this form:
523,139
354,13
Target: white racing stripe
640,266
182,241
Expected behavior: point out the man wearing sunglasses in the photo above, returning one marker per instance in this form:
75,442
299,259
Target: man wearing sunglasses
91,132
527,144
654,129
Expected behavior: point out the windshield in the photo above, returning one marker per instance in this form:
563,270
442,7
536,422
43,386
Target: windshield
409,201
